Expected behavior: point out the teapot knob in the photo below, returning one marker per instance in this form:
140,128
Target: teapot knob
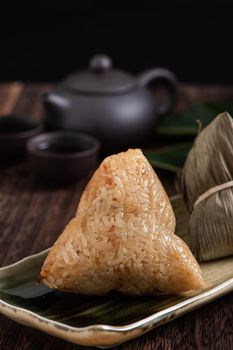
100,63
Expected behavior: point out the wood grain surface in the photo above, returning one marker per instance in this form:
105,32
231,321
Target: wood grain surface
32,216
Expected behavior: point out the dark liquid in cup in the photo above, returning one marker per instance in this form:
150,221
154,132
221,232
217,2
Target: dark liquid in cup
60,148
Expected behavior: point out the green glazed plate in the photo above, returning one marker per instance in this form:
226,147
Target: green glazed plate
102,321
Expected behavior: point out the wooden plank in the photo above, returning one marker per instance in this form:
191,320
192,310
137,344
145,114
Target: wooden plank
9,94
30,101
189,93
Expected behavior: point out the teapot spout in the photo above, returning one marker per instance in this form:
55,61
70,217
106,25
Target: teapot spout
56,109
53,100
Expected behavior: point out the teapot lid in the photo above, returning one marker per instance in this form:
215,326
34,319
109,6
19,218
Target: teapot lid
100,79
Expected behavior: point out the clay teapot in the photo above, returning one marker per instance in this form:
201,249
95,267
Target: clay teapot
110,104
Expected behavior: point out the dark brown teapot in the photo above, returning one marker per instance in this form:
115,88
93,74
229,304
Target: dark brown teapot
112,105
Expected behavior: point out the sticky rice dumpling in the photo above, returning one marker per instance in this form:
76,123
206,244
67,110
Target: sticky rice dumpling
122,237
208,190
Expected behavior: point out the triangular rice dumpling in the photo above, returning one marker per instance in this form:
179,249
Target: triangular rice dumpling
122,237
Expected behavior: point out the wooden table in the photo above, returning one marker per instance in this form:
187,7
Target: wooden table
31,217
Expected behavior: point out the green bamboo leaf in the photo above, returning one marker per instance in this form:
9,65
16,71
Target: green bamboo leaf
170,158
184,124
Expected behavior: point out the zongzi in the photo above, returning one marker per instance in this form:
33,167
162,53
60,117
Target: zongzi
122,237
208,190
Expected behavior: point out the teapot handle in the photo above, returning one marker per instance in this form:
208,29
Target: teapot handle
161,77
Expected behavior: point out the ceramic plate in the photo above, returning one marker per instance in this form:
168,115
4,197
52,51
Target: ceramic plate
102,321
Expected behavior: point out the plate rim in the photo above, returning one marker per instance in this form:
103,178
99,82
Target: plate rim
131,326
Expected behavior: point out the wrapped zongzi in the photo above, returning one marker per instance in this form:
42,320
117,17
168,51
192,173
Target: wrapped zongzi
207,182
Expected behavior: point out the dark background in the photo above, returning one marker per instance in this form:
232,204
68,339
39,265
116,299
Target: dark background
47,40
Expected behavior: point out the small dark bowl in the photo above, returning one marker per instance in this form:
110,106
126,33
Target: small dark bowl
62,157
15,131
